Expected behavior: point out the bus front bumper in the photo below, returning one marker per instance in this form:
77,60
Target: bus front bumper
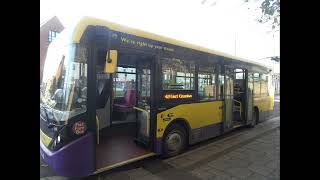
74,160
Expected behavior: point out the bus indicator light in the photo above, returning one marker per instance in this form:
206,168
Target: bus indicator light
79,127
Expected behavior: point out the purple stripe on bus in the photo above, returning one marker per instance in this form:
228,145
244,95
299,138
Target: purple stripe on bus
73,160
159,146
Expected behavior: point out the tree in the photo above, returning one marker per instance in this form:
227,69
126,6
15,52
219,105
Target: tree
270,10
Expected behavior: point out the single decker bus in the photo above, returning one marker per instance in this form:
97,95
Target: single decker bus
111,95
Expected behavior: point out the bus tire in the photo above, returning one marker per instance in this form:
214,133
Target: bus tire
255,117
174,141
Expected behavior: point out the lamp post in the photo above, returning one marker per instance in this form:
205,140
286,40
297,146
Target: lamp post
235,43
274,43
274,49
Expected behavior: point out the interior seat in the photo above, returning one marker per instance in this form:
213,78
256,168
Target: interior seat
127,103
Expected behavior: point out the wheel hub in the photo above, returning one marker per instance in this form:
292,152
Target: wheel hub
174,142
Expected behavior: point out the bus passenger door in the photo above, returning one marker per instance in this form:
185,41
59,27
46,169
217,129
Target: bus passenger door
249,97
143,107
228,99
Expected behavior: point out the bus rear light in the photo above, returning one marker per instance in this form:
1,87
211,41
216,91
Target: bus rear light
79,128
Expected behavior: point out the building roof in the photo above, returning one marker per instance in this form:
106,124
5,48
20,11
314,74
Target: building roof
49,19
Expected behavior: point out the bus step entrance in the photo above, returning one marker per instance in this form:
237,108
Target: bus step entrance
142,141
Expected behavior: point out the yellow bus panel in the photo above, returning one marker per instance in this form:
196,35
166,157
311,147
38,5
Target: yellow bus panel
44,138
196,114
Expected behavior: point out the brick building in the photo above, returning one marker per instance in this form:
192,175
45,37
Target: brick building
48,32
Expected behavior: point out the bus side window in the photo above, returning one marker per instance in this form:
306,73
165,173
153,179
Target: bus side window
177,74
264,85
256,84
206,82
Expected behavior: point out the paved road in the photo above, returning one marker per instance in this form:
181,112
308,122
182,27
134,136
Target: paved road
242,154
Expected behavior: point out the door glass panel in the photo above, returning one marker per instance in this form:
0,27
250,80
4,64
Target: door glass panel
144,78
125,79
250,97
228,101
229,84
144,101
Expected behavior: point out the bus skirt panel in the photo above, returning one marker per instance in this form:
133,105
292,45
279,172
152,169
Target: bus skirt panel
73,160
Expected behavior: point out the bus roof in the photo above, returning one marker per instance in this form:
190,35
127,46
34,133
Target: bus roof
87,21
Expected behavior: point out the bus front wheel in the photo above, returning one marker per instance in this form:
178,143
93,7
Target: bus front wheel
174,140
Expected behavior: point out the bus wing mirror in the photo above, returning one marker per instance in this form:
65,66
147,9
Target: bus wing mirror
111,61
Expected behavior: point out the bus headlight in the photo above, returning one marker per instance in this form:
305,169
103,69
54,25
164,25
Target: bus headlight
56,142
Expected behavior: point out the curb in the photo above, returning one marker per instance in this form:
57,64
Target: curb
262,127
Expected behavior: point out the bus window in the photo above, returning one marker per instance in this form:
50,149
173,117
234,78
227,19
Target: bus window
103,83
264,84
256,84
229,83
144,85
206,83
250,82
239,73
177,74
125,79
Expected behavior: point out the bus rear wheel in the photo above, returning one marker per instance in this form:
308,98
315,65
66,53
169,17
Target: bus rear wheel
174,141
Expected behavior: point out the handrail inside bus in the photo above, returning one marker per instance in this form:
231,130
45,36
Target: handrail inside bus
147,113
97,121
240,104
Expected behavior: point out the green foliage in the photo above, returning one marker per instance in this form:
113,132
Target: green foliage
270,10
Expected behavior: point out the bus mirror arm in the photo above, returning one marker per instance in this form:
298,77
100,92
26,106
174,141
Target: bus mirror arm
111,61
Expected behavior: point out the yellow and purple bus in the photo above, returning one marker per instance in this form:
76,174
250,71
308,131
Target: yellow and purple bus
111,95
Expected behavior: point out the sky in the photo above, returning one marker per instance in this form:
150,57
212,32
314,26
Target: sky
223,25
